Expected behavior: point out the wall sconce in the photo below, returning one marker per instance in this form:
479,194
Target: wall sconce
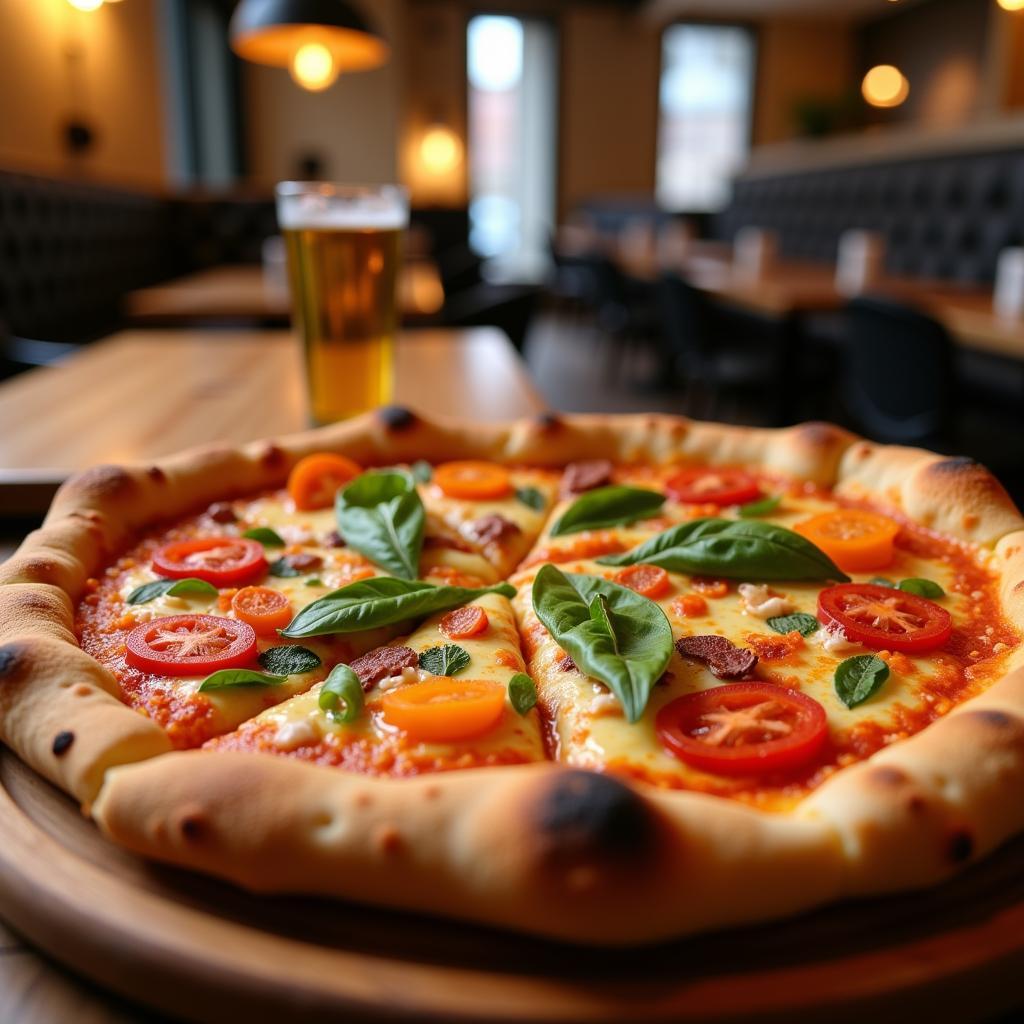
1011,5
86,5
440,149
315,39
885,86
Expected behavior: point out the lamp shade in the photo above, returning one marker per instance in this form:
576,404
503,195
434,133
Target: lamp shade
273,31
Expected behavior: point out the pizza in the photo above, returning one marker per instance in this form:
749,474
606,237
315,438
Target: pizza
605,679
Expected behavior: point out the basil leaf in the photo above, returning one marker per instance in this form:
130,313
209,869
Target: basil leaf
342,686
522,693
229,677
762,507
314,581
381,601
381,516
532,498
881,581
735,549
283,568
289,660
151,591
607,506
859,677
610,632
267,537
446,660
803,623
922,588
422,471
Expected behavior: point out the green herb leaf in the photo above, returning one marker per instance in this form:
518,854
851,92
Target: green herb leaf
922,588
522,693
735,549
422,471
283,569
446,660
314,581
289,660
342,687
610,632
381,601
532,498
858,678
230,677
803,623
881,581
267,537
761,507
176,588
608,506
381,516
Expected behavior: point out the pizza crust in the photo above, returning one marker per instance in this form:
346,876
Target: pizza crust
540,848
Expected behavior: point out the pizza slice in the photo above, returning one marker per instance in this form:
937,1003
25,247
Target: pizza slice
438,699
768,685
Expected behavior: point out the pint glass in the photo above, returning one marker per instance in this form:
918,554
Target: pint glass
343,244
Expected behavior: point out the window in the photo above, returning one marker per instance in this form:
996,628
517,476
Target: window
512,89
704,121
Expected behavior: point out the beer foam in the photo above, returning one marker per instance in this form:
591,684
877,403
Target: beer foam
311,210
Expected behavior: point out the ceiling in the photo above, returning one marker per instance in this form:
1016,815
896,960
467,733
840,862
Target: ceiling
665,9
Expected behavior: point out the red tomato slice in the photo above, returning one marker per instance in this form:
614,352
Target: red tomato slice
190,645
222,561
885,619
743,729
713,487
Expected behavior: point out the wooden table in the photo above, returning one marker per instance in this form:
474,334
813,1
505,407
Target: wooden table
182,388
140,394
793,287
244,292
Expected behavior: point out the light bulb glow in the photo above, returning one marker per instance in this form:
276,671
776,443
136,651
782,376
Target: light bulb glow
1011,5
86,5
885,86
313,66
440,149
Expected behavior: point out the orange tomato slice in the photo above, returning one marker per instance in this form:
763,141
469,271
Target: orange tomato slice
647,580
470,620
264,609
441,709
315,480
475,481
854,539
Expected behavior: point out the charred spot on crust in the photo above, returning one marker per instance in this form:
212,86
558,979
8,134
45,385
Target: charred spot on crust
192,825
272,457
11,658
887,775
993,719
584,813
548,421
818,434
62,742
156,474
396,417
956,464
960,846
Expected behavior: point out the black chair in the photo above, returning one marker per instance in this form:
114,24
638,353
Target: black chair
703,349
509,307
902,386
899,379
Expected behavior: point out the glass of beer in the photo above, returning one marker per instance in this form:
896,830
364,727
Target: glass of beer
343,244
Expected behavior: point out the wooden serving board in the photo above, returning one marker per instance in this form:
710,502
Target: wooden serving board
205,951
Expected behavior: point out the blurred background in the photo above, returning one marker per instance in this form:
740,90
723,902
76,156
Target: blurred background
752,210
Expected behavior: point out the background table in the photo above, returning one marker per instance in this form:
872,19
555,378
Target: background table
236,292
141,394
175,389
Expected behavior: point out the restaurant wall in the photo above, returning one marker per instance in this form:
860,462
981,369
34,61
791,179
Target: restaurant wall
608,117
351,128
799,60
100,67
941,47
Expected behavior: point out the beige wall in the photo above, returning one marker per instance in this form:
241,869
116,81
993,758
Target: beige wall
798,59
353,125
609,106
113,84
